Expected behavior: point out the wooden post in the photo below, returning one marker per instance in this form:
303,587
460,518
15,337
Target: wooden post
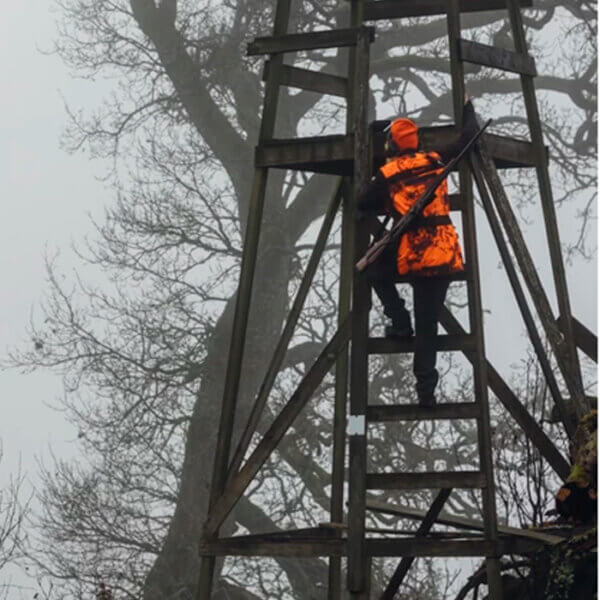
547,200
361,303
244,293
520,297
480,384
531,278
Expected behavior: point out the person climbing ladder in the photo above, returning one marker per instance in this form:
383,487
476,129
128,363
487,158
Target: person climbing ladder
428,251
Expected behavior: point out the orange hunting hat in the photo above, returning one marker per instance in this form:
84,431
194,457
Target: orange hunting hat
404,134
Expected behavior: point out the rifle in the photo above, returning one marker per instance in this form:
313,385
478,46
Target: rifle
378,246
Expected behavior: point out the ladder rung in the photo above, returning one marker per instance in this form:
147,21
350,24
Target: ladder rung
313,81
427,480
377,413
498,58
445,343
398,9
315,40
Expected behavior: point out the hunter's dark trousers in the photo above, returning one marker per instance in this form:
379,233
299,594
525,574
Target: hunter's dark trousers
429,294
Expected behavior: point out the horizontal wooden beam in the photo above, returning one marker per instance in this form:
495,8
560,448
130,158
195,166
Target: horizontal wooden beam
497,58
459,522
334,154
399,9
401,546
426,481
444,343
315,40
309,80
378,413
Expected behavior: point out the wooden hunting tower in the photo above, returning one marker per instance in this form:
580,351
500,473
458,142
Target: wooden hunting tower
350,157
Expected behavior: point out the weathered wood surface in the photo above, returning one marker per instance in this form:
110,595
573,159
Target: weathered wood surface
498,58
358,563
315,40
377,413
287,333
586,340
444,343
309,80
334,154
520,298
244,294
559,343
376,547
398,9
520,414
238,484
426,524
574,383
460,522
427,480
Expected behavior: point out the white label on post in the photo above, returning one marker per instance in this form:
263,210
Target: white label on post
356,425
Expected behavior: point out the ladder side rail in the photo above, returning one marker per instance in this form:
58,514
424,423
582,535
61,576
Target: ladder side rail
341,388
547,200
242,304
520,296
480,387
358,562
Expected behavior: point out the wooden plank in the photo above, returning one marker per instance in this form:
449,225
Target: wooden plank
315,40
427,480
378,413
497,58
520,298
520,414
287,333
460,522
334,154
444,343
376,547
309,80
426,524
244,294
571,364
558,342
585,339
358,562
311,548
238,484
418,547
400,9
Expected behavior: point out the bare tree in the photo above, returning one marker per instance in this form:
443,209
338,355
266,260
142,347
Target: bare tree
141,338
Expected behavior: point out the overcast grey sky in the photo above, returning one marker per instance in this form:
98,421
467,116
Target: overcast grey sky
46,197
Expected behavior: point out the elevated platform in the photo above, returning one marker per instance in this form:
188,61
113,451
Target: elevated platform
333,154
401,9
